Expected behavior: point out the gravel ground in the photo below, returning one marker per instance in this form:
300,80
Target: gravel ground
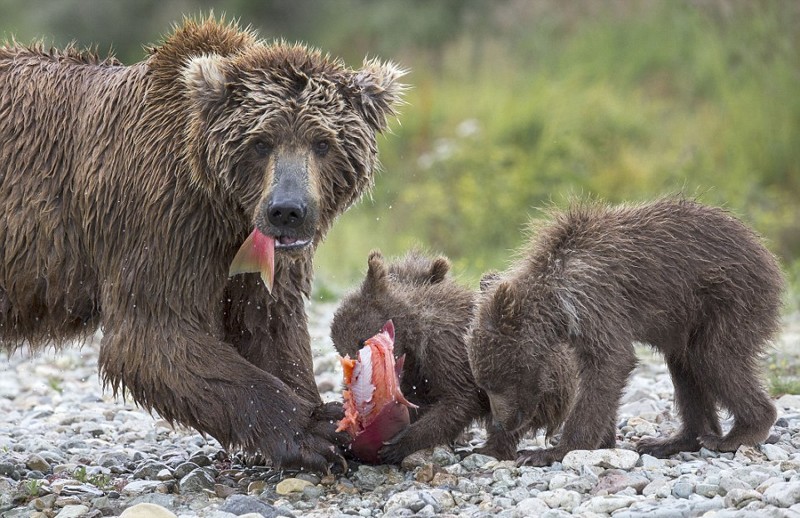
67,450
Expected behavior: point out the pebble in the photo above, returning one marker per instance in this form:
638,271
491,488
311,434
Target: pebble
615,458
92,455
198,480
783,494
242,505
147,511
292,485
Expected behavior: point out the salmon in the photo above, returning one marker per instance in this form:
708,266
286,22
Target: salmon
374,406
256,255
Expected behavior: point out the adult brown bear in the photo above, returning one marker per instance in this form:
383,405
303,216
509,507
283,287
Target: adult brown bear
127,190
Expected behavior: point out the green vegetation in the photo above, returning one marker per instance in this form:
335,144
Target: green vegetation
33,487
519,105
665,98
99,480
783,375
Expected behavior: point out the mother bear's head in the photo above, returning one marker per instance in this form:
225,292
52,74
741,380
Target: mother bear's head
288,132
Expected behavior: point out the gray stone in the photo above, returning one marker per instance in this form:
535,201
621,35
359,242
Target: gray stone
37,463
73,511
242,504
138,487
728,482
183,469
198,480
683,488
443,456
369,477
738,498
413,500
160,499
149,470
615,480
474,461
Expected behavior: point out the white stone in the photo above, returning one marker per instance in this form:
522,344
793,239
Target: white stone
616,458
530,507
789,401
147,511
72,511
774,452
783,494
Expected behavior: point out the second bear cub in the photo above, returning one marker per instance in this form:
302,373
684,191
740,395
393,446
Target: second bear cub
690,280
431,313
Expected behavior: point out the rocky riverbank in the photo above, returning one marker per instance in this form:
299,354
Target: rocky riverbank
68,449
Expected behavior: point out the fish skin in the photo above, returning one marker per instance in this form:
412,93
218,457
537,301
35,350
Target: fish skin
256,255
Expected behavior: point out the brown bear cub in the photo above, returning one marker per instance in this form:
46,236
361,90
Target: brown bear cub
431,313
127,191
691,281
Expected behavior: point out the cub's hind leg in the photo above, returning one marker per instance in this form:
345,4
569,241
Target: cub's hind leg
696,407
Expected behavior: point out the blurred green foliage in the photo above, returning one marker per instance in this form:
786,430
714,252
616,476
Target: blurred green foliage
519,104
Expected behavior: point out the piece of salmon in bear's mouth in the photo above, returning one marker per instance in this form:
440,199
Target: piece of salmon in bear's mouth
290,243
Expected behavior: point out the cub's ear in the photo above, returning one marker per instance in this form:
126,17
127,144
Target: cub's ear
376,91
505,304
377,280
439,269
206,78
487,279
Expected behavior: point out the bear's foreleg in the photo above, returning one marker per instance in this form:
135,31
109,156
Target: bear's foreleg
190,377
604,371
272,334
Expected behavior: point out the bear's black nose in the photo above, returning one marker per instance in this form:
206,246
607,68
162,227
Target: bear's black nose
287,213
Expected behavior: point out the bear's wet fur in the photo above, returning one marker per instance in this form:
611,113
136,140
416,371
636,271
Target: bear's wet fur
127,190
690,280
431,312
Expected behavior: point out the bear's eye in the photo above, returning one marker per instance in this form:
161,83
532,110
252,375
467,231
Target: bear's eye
321,147
262,148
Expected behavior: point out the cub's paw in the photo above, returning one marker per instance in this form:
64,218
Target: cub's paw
540,458
396,449
497,452
663,448
717,442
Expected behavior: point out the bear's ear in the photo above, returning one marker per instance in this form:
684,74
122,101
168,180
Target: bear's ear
377,280
487,279
439,269
206,78
376,91
505,304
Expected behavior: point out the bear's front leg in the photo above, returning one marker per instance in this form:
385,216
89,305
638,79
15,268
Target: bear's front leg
271,332
190,377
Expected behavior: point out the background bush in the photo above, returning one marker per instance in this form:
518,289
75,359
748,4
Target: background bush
519,104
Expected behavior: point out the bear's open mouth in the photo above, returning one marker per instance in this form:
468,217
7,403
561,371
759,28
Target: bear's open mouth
290,243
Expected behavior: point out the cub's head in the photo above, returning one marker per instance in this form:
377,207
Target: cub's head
383,295
518,360
288,132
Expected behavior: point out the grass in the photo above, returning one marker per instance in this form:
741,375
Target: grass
667,98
